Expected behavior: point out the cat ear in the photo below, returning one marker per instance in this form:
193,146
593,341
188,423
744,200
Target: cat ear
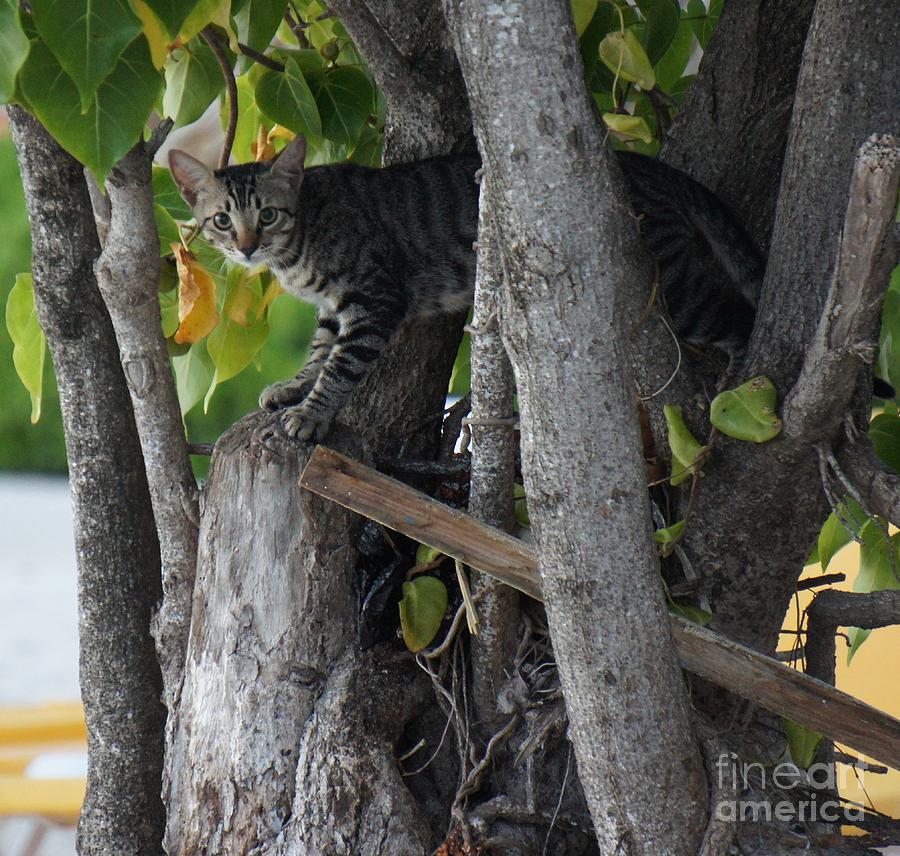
189,174
290,162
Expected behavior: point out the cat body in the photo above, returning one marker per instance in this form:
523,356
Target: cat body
372,248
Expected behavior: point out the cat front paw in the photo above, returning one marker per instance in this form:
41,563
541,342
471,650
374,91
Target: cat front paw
287,393
305,424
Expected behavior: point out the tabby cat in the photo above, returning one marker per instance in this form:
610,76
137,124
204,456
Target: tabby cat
375,247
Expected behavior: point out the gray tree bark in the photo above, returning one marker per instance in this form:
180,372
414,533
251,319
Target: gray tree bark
751,542
569,298
115,536
128,275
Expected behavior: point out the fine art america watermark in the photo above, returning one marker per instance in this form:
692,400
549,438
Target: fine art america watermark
784,792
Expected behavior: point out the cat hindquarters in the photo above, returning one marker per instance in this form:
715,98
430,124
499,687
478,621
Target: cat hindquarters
365,325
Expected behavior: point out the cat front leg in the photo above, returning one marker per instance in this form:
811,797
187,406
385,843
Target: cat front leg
367,324
291,392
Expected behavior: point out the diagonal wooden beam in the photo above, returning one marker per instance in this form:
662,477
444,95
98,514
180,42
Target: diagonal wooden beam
735,667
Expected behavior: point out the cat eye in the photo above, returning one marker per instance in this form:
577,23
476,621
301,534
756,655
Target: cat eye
268,216
222,220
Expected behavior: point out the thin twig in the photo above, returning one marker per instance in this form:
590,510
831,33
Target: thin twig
823,580
210,37
261,58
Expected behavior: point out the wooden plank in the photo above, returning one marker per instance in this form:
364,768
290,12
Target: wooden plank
400,507
735,667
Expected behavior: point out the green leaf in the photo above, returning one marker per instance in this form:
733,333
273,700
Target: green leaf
889,352
832,538
256,24
117,112
286,99
748,411
201,14
422,611
168,310
671,534
461,376
171,13
802,743
662,18
29,344
583,12
87,39
671,66
345,98
13,49
249,120
603,22
193,374
884,432
166,228
627,127
193,81
232,346
165,193
425,555
685,448
369,148
703,22
878,564
624,56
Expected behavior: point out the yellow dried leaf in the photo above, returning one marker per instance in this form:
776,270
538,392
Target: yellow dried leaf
279,132
273,290
197,314
262,149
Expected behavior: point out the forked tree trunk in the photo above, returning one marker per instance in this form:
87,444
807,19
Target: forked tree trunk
275,688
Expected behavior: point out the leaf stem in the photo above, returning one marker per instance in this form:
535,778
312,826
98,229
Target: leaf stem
210,37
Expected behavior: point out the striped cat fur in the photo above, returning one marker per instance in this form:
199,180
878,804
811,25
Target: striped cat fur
372,248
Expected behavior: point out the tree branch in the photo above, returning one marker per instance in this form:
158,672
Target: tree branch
211,38
848,328
878,484
832,609
493,472
404,44
128,275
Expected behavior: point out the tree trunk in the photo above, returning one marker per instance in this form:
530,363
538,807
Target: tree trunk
115,536
571,290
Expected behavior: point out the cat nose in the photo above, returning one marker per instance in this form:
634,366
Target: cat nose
248,249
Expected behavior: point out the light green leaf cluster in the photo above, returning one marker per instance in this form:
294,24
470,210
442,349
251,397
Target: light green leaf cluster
634,56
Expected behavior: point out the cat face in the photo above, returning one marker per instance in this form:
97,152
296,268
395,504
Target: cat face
247,212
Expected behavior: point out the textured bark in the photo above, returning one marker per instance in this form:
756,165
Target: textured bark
128,275
750,542
731,130
115,537
493,472
572,289
274,688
